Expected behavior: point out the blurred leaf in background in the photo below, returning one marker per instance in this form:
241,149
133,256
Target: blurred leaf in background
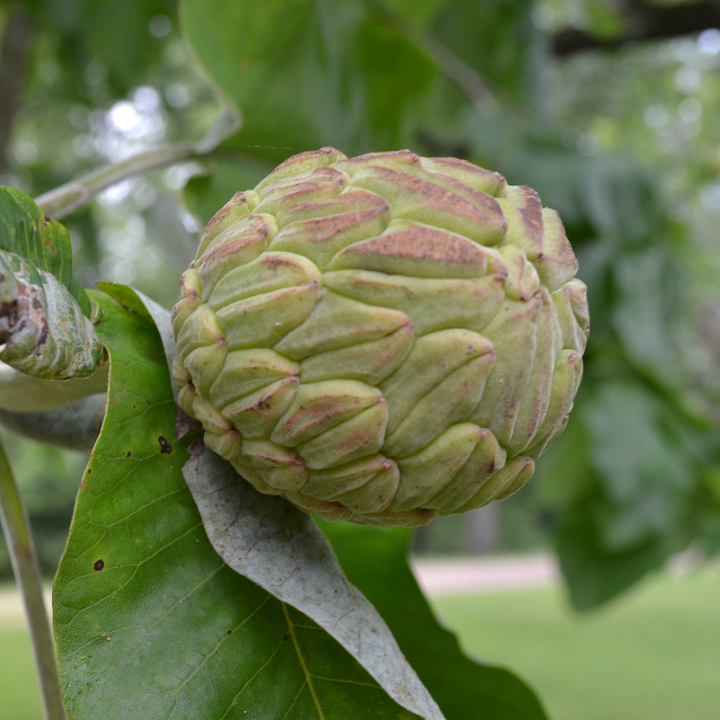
48,479
104,81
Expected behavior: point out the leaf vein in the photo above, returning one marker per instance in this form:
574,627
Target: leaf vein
260,669
308,675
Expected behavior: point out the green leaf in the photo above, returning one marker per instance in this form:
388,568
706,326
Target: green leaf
117,35
638,501
493,37
278,547
26,231
308,73
375,559
148,618
651,285
595,573
644,469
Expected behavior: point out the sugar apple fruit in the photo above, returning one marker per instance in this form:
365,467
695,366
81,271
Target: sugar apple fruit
382,339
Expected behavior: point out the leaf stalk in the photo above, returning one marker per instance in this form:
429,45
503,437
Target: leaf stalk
27,573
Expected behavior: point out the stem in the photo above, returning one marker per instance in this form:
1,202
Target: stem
68,197
27,573
64,199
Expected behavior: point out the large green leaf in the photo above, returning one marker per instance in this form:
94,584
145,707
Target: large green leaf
148,618
113,37
26,231
307,73
375,559
495,38
595,573
631,478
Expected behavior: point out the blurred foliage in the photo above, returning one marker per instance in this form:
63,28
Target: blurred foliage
48,479
105,81
621,143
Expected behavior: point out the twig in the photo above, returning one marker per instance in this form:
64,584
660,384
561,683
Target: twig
68,197
644,21
27,573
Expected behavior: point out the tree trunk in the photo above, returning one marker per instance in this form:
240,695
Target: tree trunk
483,527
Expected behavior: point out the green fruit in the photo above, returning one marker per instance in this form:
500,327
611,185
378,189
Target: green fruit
382,339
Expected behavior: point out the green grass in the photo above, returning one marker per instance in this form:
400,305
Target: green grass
654,655
19,695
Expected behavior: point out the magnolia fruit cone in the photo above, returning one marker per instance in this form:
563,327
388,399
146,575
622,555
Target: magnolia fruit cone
382,339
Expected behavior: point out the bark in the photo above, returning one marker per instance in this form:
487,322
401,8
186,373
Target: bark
13,64
644,21
483,528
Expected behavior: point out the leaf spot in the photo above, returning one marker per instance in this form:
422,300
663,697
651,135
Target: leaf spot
99,565
165,446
